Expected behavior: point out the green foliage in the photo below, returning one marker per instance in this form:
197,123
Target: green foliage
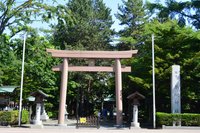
38,74
25,116
186,12
163,119
38,64
8,62
190,119
11,117
171,44
132,16
84,25
16,15
140,82
187,119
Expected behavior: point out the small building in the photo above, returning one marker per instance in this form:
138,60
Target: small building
6,97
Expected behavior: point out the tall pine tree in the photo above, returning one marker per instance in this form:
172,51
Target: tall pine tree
186,12
132,16
83,24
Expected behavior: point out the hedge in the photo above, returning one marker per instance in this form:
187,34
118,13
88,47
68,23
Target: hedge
187,119
11,117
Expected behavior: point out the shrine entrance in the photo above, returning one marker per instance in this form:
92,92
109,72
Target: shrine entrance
117,69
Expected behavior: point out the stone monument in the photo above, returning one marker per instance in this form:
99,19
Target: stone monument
176,92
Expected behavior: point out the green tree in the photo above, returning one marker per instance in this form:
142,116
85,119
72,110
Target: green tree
132,15
15,15
173,45
37,69
170,44
83,25
187,12
8,62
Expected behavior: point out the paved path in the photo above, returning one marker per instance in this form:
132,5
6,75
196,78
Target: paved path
51,127
93,130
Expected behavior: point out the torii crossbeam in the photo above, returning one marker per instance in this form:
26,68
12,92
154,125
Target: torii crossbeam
117,68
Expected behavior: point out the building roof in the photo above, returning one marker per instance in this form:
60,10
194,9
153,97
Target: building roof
31,98
109,98
39,93
136,95
7,89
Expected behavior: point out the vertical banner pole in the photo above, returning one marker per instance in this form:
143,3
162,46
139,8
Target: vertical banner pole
153,77
22,78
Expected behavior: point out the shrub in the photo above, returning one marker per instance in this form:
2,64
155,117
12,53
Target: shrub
187,119
25,117
11,117
163,119
190,119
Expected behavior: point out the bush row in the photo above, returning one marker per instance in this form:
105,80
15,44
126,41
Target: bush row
187,119
11,117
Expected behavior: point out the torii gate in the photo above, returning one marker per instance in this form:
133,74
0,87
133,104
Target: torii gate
117,68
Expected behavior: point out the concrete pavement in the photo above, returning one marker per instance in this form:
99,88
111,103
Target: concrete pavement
52,127
94,130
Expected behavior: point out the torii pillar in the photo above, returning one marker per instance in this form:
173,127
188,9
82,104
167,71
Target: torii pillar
118,69
118,91
63,92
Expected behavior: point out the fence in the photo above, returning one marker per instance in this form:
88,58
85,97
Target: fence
91,121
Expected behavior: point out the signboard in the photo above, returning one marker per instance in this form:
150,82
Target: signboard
83,120
175,90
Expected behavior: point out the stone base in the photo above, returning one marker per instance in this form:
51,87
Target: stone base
36,126
44,117
36,122
62,125
135,124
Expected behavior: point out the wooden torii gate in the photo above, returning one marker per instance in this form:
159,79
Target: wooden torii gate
117,68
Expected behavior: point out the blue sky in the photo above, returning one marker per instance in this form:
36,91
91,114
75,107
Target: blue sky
113,5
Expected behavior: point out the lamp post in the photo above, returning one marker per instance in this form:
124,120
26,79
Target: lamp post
22,78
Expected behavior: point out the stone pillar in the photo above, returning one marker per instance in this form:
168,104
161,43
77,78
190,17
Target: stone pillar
37,120
118,89
63,92
135,117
